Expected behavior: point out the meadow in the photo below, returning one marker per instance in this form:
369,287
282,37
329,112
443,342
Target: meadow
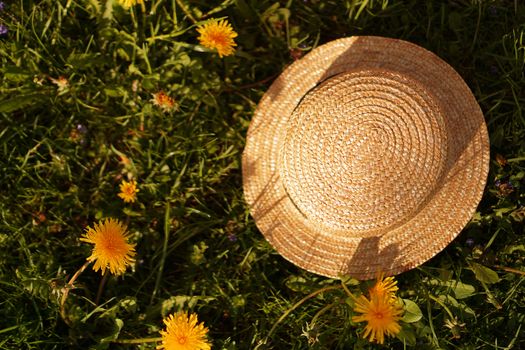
97,97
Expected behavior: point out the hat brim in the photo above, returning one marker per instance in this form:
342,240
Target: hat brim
333,253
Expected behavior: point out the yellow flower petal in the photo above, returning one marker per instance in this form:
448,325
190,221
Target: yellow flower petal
218,35
128,191
112,250
385,286
183,333
381,315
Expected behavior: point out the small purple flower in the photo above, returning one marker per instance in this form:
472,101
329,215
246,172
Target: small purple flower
232,237
82,128
469,242
3,30
2,6
493,11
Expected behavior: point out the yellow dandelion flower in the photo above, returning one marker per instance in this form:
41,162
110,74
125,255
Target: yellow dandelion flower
112,250
163,101
128,191
218,35
385,286
381,315
183,333
128,3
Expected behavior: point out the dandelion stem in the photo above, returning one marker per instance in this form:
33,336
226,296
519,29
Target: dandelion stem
101,286
431,324
299,303
510,269
347,290
67,288
164,251
136,341
322,311
442,305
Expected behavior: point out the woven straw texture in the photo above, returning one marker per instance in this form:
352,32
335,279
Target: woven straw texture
367,155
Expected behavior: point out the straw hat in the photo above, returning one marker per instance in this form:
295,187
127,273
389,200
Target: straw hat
367,155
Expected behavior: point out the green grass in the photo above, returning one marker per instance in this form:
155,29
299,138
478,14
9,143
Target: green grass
197,246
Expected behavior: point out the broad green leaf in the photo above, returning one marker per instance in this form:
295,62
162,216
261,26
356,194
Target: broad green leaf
297,284
407,335
461,290
182,302
412,312
19,102
484,274
349,281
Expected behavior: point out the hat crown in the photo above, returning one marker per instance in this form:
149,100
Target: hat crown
363,151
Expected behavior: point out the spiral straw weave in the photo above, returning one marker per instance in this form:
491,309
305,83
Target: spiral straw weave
368,155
